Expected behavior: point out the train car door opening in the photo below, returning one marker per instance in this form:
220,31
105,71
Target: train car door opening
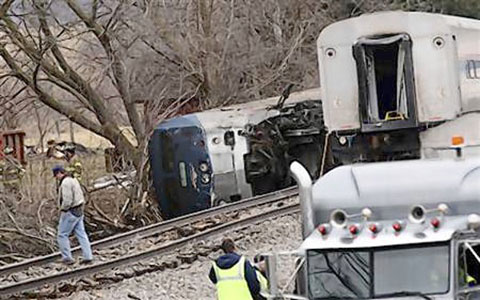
386,82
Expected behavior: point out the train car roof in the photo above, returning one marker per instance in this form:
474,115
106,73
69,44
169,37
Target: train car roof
390,189
310,94
415,23
239,114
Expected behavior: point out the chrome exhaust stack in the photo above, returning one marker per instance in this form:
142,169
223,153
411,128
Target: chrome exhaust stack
304,182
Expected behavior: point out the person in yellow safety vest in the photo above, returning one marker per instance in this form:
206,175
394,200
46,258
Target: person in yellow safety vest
466,279
261,270
233,275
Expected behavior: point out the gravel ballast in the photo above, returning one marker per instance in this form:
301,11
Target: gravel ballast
190,280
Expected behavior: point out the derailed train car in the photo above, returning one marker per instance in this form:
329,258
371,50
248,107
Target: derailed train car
222,155
399,85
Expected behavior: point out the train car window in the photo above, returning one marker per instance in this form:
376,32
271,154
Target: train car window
167,152
229,138
473,71
182,170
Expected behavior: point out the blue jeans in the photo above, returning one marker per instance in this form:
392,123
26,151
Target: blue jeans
68,223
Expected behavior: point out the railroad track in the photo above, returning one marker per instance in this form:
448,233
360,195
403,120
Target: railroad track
149,231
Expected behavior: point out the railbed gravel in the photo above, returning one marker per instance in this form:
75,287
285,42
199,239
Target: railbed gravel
189,281
138,245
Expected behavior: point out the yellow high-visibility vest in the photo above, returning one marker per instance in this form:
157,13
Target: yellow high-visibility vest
465,278
231,283
471,280
263,282
75,169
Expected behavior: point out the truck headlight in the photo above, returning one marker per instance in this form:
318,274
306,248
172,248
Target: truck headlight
203,167
205,178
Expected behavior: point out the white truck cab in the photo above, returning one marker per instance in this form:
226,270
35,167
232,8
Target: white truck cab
391,230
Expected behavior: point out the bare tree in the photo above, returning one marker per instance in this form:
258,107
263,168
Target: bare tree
13,103
75,66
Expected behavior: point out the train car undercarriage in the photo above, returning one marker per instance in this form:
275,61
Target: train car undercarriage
298,133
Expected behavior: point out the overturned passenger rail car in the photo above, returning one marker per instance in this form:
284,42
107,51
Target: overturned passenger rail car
223,155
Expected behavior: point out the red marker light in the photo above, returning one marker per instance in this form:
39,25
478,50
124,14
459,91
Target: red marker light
397,226
435,222
324,229
353,229
373,228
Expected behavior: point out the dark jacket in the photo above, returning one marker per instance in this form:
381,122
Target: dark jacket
227,261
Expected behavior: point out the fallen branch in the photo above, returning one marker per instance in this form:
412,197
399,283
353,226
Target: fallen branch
124,208
15,256
122,181
5,244
12,256
105,216
22,233
39,210
106,222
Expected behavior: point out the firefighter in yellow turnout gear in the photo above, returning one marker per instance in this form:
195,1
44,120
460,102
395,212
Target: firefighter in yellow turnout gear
74,167
11,174
234,276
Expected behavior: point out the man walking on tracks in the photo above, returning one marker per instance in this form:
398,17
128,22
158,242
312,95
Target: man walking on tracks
233,275
71,201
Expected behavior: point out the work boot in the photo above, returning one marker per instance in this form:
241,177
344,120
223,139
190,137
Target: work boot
68,262
85,261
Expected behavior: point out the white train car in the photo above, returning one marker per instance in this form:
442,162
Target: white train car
229,132
400,84
223,155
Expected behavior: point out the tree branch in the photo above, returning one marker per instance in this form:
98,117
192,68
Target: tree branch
119,73
46,98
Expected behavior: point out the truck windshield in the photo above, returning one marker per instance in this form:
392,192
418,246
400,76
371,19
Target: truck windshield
378,272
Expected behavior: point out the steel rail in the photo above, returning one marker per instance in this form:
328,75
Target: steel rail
157,228
236,224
